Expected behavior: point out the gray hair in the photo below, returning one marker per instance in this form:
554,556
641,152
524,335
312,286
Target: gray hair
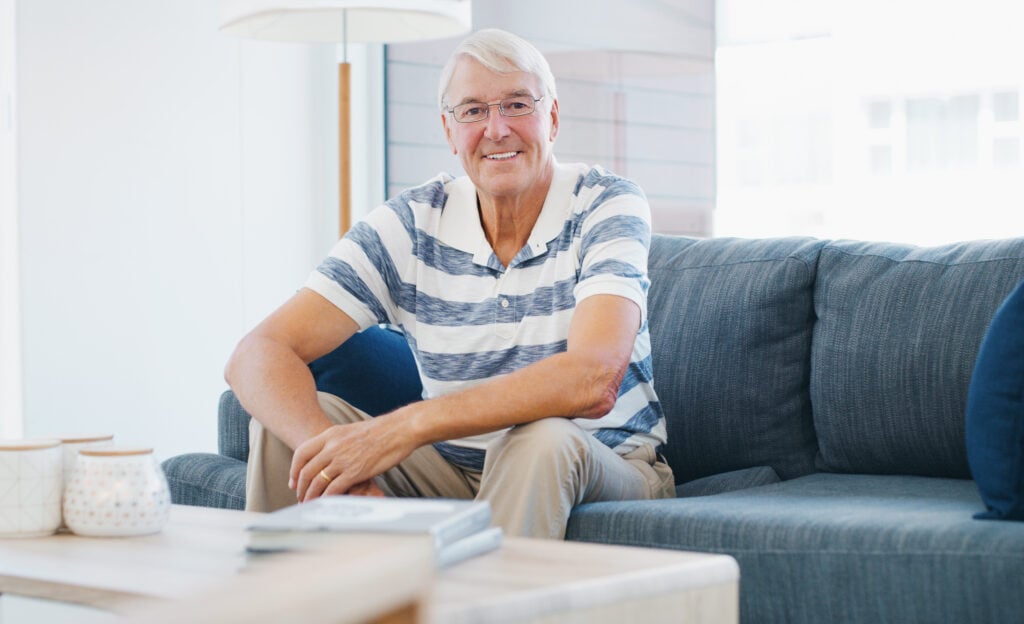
501,52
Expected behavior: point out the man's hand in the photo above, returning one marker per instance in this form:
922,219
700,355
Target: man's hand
344,458
366,488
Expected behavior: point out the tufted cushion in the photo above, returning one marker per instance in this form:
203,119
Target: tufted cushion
896,339
373,370
995,413
731,323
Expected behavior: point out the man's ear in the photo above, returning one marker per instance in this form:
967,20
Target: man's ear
554,121
448,133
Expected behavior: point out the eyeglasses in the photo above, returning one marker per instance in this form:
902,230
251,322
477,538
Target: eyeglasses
509,107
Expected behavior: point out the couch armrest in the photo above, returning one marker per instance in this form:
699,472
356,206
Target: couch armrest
206,480
232,428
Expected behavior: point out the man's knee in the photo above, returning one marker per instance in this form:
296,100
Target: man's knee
548,437
338,410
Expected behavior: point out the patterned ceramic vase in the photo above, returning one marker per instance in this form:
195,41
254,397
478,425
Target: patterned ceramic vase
30,487
116,491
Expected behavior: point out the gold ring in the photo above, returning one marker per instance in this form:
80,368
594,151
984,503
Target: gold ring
323,475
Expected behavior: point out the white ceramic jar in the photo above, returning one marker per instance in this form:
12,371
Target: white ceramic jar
116,491
74,443
71,444
30,487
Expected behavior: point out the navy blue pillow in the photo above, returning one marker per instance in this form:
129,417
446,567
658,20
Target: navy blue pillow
373,370
995,413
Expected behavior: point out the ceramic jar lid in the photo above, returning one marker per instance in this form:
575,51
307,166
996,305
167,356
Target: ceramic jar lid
116,451
83,439
27,445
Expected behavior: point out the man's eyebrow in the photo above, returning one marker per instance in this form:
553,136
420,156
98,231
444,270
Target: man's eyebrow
508,94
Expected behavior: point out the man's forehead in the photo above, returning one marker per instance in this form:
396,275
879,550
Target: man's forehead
473,82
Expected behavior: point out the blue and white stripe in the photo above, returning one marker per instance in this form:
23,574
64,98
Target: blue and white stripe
421,261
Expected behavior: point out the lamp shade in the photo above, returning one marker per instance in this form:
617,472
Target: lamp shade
351,21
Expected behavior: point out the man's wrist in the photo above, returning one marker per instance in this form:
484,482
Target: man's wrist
408,422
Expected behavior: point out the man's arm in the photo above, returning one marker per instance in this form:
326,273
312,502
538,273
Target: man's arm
268,370
582,382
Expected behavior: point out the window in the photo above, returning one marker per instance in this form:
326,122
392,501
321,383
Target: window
1005,107
1006,153
942,133
837,124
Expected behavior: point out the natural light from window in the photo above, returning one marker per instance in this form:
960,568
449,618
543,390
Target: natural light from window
870,119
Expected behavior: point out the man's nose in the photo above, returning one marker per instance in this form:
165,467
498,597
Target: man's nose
497,124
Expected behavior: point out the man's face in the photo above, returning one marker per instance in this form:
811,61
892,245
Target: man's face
503,156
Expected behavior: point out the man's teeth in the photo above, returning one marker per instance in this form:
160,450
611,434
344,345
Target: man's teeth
502,156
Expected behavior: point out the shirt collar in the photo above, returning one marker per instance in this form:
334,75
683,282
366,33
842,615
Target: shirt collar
460,225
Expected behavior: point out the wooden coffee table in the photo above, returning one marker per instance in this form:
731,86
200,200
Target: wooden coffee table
196,571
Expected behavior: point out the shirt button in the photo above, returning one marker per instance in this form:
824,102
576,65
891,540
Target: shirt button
504,303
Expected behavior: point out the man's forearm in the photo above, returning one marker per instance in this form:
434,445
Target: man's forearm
563,385
276,387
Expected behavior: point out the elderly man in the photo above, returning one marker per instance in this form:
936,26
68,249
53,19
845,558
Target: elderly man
521,289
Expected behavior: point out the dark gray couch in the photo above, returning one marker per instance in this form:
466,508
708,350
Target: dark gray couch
815,394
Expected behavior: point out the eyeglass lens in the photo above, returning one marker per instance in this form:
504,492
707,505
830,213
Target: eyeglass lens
509,107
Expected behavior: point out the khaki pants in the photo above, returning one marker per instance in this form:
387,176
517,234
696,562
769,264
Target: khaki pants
533,475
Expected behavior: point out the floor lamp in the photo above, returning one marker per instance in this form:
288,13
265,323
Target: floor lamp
344,22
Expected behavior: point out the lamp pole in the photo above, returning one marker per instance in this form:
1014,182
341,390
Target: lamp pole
344,149
344,133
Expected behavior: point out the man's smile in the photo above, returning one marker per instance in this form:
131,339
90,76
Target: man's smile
501,156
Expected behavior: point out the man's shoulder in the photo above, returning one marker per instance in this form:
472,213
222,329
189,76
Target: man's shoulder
433,192
596,177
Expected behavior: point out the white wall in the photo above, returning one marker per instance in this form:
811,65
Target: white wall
175,185
368,141
10,339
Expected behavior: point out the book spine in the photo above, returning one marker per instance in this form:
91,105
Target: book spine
475,519
477,544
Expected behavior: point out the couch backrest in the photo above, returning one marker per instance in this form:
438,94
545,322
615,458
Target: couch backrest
731,323
894,346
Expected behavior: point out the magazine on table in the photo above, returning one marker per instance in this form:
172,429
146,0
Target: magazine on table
459,529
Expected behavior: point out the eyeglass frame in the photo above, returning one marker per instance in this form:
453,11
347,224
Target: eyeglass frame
501,109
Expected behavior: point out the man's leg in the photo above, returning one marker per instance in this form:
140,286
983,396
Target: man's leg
536,473
423,473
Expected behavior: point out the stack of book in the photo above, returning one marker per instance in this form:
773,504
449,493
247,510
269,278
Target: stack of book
459,529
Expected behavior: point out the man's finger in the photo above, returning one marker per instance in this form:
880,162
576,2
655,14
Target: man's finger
318,484
300,459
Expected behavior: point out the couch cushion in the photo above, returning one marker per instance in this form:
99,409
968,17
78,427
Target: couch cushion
728,482
894,347
995,413
838,548
731,322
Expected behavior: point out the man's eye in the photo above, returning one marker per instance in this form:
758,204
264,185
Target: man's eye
516,105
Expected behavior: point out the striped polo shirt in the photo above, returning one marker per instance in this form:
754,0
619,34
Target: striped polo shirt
421,261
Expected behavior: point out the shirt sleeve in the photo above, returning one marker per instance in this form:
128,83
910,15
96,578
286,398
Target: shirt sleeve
614,244
359,275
